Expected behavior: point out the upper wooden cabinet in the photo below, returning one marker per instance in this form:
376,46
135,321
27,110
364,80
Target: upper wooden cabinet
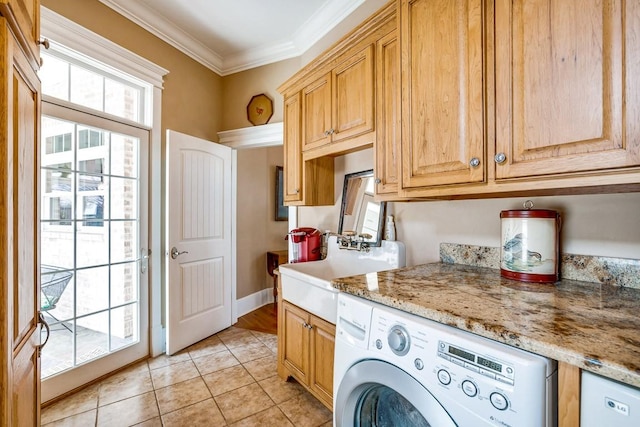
330,108
339,105
309,182
316,124
387,147
292,150
24,19
352,101
504,98
561,89
442,85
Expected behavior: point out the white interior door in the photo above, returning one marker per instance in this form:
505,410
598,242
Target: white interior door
199,245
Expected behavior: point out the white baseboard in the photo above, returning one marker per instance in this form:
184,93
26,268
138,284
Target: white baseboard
254,301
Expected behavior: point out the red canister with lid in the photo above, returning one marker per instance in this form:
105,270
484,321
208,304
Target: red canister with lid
530,246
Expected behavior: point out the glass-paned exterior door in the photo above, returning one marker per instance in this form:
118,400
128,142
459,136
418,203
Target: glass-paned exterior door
91,251
94,190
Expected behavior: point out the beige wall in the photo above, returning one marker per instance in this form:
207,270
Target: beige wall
240,87
604,225
192,95
258,231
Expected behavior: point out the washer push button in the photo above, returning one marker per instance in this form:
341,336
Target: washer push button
469,388
444,377
499,401
504,379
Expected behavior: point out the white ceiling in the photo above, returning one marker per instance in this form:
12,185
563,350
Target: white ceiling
228,36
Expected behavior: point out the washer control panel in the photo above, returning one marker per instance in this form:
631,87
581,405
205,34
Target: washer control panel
465,372
483,365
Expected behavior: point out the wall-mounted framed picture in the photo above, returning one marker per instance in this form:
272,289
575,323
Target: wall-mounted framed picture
282,211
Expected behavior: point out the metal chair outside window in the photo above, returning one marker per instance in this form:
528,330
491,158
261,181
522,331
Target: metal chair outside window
54,282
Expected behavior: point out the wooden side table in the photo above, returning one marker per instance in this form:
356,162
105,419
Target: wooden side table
274,259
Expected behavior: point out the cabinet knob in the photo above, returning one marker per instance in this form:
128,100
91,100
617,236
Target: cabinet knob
500,158
326,133
332,131
297,190
45,43
474,162
378,181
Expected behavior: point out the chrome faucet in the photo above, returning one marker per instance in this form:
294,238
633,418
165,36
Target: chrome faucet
350,240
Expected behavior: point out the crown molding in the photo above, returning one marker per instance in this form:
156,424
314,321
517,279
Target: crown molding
316,27
259,56
323,21
167,31
253,137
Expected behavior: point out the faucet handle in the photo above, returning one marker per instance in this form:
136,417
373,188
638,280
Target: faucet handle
365,236
349,233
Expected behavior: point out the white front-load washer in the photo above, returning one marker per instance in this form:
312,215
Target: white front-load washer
393,368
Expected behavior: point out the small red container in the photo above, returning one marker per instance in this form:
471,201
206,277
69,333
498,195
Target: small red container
530,246
305,244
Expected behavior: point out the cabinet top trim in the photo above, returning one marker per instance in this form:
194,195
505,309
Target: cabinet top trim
322,63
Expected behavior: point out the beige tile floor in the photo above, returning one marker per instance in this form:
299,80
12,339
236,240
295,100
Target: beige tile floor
228,379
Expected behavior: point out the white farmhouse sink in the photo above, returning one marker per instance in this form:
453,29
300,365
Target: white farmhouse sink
308,284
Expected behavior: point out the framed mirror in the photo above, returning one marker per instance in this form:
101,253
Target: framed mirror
359,211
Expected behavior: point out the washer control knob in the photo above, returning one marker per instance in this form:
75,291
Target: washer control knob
398,340
419,364
469,388
444,377
379,344
499,401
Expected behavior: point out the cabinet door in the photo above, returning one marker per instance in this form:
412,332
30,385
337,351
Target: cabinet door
24,18
388,114
560,86
352,83
292,149
316,113
323,336
442,92
296,346
19,245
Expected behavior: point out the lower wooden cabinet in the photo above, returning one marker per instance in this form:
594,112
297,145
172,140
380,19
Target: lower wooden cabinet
305,350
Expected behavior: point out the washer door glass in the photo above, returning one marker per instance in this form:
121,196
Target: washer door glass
384,407
373,393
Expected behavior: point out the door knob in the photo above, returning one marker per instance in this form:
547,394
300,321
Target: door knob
175,253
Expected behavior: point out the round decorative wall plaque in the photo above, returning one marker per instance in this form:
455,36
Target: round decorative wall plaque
259,109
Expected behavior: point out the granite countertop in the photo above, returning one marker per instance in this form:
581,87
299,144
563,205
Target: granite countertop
593,326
